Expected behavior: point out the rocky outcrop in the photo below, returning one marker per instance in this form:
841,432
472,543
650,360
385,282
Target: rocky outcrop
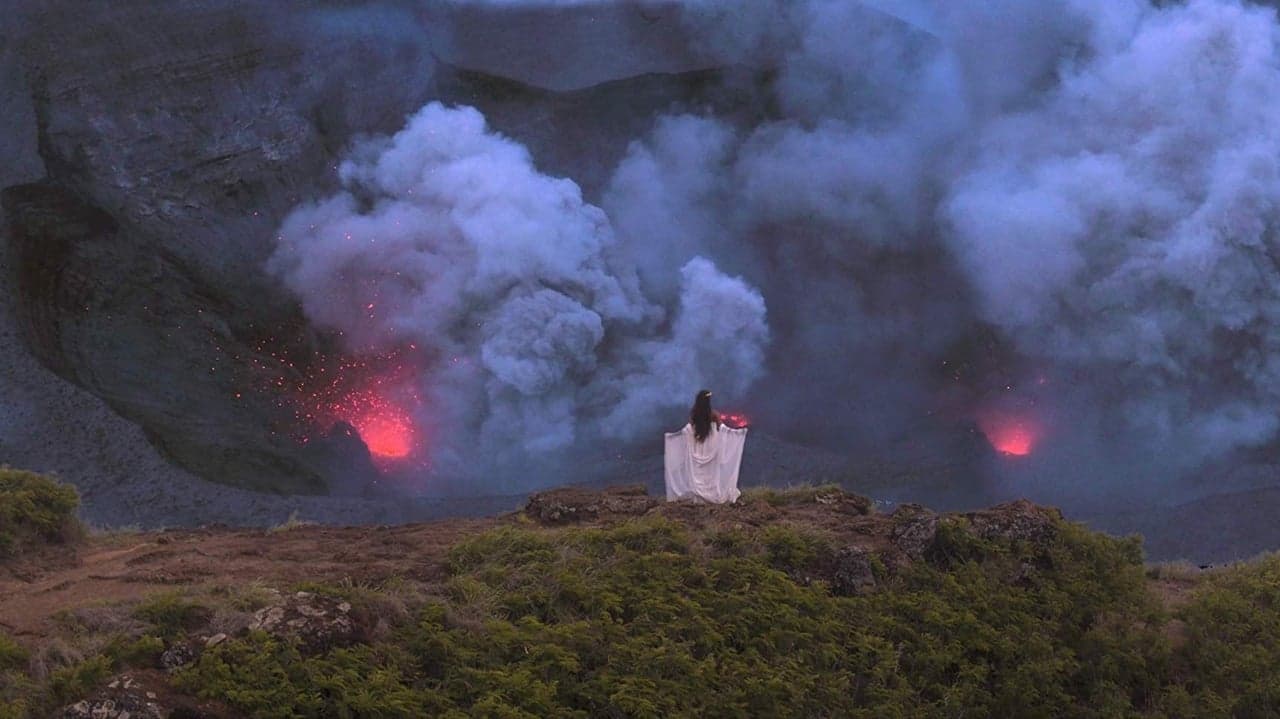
175,138
314,621
1020,520
143,695
913,530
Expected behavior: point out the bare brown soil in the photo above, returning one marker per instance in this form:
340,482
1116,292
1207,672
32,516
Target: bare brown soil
121,568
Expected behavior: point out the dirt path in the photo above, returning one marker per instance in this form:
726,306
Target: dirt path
129,567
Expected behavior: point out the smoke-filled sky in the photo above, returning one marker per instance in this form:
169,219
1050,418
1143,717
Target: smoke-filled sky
1092,182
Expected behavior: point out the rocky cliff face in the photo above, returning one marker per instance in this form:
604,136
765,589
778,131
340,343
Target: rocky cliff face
175,138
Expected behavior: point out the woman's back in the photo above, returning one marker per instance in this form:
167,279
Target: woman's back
707,468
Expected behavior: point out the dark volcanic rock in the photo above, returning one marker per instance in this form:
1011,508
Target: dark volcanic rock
1021,520
573,504
178,656
914,529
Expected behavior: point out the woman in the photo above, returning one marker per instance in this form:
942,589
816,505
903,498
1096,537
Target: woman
703,458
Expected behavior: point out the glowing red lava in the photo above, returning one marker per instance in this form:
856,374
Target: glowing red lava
389,434
1010,434
381,408
375,394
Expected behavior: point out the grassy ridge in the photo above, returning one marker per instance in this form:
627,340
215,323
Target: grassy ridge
644,620
652,617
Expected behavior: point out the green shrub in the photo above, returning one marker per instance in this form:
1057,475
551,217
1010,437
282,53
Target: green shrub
732,542
792,550
269,679
141,652
625,621
35,508
12,655
629,621
171,614
955,544
1232,644
74,683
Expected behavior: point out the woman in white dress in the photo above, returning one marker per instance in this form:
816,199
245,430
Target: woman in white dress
703,458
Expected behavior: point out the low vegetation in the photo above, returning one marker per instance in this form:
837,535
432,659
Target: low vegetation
35,509
655,617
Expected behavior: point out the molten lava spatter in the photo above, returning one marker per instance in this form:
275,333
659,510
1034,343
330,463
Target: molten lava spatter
390,437
375,394
387,428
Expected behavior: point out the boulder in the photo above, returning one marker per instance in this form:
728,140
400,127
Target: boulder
914,529
1021,520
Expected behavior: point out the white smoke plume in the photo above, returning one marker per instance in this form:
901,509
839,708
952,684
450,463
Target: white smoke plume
1095,180
535,328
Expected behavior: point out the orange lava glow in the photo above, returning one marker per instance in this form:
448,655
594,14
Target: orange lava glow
375,394
1010,435
389,433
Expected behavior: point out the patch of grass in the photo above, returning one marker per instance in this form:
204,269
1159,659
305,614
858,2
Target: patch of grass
1176,571
248,597
796,494
142,652
793,550
293,522
35,509
12,655
76,682
172,615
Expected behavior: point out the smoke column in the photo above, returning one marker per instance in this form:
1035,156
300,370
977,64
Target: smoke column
536,332
1093,182
1096,180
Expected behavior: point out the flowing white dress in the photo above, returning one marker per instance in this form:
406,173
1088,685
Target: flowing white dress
707,469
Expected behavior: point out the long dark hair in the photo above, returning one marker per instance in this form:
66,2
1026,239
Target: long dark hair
701,416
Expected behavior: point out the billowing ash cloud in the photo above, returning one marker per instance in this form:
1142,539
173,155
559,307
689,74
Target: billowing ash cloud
1126,223
534,326
1097,181
1092,182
